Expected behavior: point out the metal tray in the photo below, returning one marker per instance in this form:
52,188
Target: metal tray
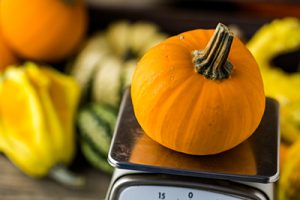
255,160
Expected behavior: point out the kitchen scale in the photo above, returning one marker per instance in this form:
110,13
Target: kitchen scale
145,170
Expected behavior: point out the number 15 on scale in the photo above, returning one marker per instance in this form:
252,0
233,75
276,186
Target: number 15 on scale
162,195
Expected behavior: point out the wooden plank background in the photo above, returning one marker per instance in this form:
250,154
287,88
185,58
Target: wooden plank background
14,185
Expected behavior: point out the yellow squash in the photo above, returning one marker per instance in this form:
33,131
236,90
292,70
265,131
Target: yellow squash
280,36
37,107
289,183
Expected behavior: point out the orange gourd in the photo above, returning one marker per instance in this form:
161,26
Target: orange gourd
199,92
44,30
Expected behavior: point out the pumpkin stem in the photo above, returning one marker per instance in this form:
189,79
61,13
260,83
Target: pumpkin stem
212,61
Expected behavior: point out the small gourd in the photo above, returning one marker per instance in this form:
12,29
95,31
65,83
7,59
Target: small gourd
106,64
199,93
47,30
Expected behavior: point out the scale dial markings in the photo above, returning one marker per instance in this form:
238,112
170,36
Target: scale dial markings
147,192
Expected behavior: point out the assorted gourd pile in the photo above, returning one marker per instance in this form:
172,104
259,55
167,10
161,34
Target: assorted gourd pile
38,104
279,37
105,65
43,143
87,96
104,68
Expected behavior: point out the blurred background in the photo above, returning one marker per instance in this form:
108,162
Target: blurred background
65,64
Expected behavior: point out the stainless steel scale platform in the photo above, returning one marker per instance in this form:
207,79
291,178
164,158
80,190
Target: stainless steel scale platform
145,170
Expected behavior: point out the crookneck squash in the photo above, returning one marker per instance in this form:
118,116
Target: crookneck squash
278,39
200,92
47,30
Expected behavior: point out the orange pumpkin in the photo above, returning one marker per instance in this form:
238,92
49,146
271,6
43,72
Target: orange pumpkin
7,57
47,30
199,92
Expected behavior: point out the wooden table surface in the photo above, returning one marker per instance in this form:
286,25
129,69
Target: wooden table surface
14,185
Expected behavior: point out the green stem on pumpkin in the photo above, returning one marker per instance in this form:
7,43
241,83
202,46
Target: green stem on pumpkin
212,61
